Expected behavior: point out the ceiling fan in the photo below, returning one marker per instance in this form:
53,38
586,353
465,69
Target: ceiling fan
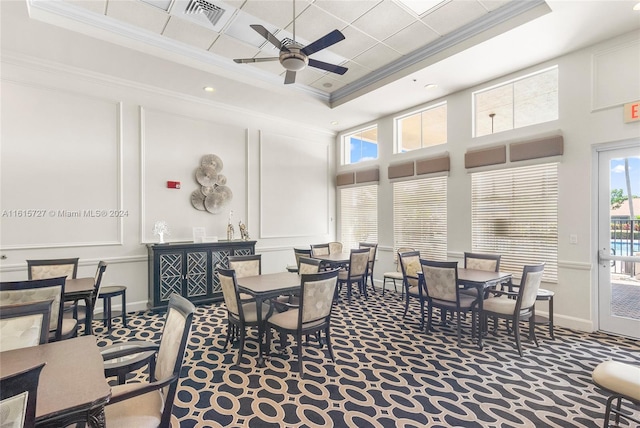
295,56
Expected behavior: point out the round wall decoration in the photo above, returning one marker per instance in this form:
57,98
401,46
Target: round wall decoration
213,193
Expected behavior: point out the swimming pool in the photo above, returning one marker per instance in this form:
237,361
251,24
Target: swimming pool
620,247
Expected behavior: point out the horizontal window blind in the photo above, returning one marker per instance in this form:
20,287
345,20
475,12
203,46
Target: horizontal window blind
515,214
358,215
420,216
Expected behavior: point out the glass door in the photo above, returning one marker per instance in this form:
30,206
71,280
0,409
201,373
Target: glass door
619,240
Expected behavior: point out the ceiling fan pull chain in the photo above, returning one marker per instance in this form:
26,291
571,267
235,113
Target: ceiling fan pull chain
294,21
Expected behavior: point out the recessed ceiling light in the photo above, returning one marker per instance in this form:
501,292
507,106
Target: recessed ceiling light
209,89
335,122
327,84
636,7
430,86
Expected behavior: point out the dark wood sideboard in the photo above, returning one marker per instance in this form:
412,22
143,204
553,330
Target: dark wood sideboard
190,269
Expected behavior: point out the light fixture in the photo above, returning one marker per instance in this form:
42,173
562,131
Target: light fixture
209,89
430,86
637,7
334,122
492,115
293,60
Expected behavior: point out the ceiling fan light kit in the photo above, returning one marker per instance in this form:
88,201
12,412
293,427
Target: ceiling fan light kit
293,56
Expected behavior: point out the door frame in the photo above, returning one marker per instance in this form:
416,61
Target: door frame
594,258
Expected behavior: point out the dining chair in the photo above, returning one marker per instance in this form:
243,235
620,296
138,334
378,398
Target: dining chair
24,324
38,290
410,265
80,311
480,261
18,397
440,281
355,273
306,266
335,247
320,250
395,275
373,252
52,268
521,305
298,252
249,265
313,315
149,404
622,381
240,314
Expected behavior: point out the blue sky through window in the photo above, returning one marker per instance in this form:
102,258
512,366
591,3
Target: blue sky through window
362,150
618,179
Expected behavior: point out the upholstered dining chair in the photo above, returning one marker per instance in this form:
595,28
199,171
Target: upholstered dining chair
37,290
521,305
356,273
373,252
18,398
319,250
480,261
440,280
410,265
313,315
52,268
395,275
80,311
149,404
298,252
249,265
240,314
622,381
24,324
306,266
335,247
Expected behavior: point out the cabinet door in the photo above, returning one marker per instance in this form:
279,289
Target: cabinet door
196,273
170,275
218,259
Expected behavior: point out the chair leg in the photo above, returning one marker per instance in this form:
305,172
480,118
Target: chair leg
429,317
227,339
532,331
458,327
328,338
384,283
406,306
300,369
516,332
421,314
241,350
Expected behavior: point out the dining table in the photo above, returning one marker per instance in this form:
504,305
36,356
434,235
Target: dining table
335,259
72,387
481,280
82,289
264,287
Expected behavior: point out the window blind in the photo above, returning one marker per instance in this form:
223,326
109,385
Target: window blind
515,213
420,216
358,215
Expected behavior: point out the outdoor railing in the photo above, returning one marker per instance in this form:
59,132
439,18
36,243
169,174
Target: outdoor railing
625,241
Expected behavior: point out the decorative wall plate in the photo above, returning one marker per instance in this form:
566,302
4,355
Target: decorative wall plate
197,200
206,176
222,179
207,190
213,203
212,161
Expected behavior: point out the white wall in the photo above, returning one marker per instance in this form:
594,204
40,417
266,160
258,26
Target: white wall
590,113
74,140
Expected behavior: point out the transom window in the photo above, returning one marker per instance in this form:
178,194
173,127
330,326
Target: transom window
358,215
522,102
359,146
424,128
514,213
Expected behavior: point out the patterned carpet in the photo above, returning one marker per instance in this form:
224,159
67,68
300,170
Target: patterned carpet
388,373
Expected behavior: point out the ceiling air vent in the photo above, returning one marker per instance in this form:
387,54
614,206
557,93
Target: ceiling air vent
210,10
211,14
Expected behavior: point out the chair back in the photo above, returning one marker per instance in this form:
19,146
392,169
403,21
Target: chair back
301,253
441,280
102,266
18,397
480,261
230,292
316,296
529,285
308,265
37,290
401,250
23,325
358,263
173,344
52,268
410,266
319,250
335,247
373,250
250,265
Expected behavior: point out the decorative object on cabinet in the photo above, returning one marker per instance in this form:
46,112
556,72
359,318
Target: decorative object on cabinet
213,193
230,230
244,233
190,269
161,228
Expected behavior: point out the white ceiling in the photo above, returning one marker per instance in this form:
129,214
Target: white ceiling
391,52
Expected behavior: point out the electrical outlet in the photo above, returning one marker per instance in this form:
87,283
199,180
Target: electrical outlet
573,239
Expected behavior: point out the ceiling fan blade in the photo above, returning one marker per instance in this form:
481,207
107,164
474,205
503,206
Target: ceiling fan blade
248,60
326,66
267,35
323,42
290,77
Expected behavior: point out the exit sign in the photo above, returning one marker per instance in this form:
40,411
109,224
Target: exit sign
632,112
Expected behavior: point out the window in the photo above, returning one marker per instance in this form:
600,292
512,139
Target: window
516,104
514,212
420,216
360,146
421,129
358,215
